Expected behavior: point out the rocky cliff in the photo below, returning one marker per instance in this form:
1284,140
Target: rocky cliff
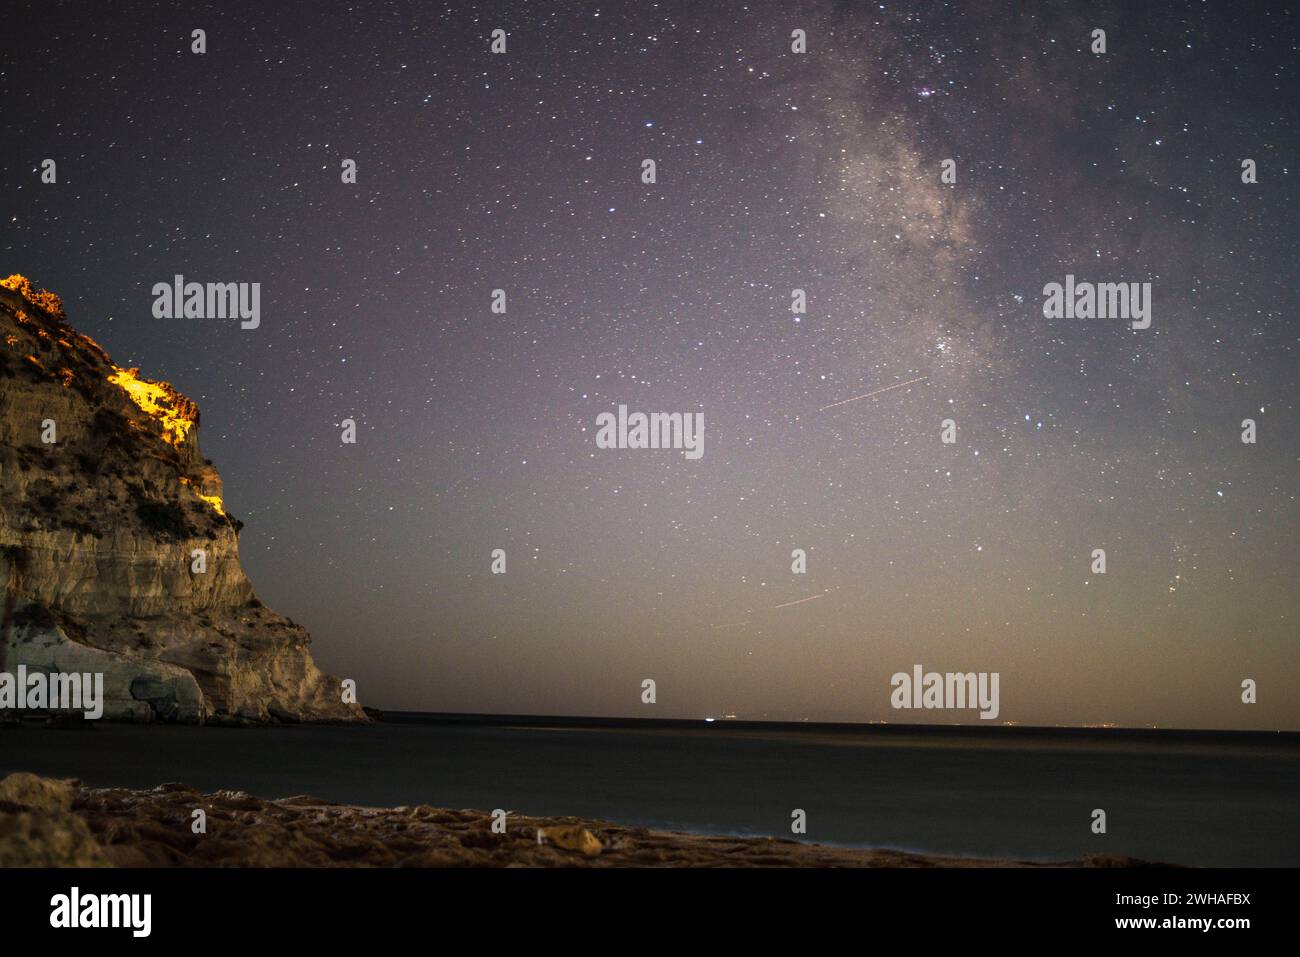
105,505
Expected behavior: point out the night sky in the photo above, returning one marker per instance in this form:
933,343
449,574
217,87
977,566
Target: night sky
775,171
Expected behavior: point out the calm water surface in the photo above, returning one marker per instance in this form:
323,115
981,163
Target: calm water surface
1190,801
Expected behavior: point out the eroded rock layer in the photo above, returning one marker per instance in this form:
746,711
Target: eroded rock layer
98,529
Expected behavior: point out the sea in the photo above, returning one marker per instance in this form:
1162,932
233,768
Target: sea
1193,798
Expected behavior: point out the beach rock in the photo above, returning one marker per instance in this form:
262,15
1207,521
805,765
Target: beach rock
38,828
44,840
98,535
36,793
572,838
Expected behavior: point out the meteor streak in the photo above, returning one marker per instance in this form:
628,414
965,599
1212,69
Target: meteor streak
799,601
870,394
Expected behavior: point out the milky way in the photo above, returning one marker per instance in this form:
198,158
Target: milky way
776,171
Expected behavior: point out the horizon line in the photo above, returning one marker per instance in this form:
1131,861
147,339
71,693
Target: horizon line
720,721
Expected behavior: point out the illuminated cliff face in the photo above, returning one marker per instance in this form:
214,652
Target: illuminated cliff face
41,298
214,500
174,412
176,415
159,401
97,537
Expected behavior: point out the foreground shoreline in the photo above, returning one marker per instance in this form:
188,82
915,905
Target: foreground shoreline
46,822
